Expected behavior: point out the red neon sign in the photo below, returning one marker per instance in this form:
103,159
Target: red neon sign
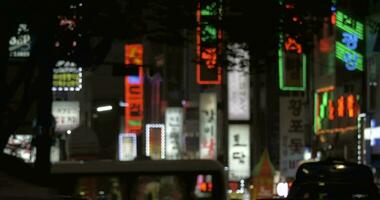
134,90
341,106
292,45
331,110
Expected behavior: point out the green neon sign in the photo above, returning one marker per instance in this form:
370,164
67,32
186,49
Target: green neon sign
349,25
342,50
281,65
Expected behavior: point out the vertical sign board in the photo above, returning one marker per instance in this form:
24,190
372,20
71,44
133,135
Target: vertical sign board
207,125
208,40
238,82
127,146
292,65
67,76
174,132
20,43
350,42
239,152
66,114
134,90
292,127
155,141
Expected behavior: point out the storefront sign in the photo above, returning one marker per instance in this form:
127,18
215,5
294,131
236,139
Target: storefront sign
67,76
155,141
127,146
20,43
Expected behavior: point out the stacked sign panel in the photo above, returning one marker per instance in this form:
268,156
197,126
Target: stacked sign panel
208,123
238,82
292,127
174,132
239,157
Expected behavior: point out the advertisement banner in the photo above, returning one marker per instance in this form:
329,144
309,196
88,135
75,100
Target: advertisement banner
207,125
238,82
292,127
66,114
174,132
127,146
155,141
239,157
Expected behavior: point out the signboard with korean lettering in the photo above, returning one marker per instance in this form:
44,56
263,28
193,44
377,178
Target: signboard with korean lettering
208,40
155,141
127,146
349,49
207,125
239,157
174,132
334,113
20,43
238,82
134,90
67,76
66,114
292,131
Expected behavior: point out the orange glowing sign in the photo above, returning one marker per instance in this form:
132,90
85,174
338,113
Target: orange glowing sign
134,90
292,45
133,54
331,110
341,106
351,106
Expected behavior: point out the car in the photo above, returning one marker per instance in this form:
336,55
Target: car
334,179
141,179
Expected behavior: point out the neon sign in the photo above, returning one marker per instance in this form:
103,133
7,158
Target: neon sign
155,141
20,44
335,113
351,34
134,90
292,66
208,40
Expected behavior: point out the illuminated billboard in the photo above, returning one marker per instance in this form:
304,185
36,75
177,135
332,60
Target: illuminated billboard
208,38
66,114
239,157
208,122
155,141
20,43
335,113
134,90
67,76
238,82
21,147
174,132
127,146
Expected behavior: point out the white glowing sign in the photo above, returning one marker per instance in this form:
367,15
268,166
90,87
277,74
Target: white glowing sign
239,152
127,146
67,76
20,44
21,146
174,129
238,82
292,130
207,124
155,141
66,114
